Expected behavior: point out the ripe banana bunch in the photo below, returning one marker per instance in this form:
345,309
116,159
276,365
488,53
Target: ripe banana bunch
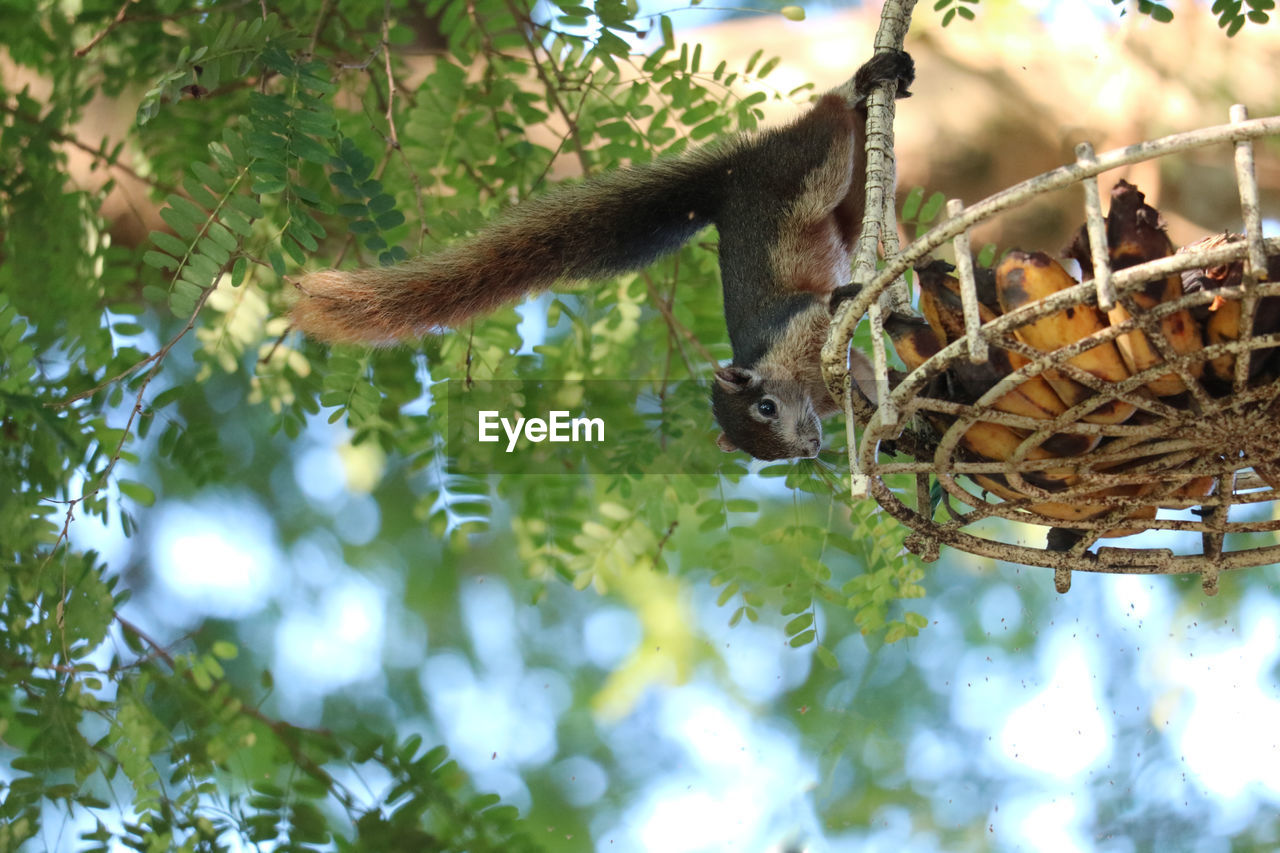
1035,397
1135,235
1163,349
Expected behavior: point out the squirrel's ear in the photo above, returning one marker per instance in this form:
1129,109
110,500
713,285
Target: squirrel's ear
725,443
734,379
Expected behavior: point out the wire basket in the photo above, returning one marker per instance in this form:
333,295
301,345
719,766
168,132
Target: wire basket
1206,461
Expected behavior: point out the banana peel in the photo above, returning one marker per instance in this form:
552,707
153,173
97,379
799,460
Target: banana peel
1136,234
1078,510
1032,398
1026,277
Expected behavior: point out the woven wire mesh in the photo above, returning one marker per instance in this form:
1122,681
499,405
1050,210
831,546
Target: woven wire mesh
1204,463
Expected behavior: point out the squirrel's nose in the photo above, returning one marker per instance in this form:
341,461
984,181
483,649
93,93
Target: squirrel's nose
815,444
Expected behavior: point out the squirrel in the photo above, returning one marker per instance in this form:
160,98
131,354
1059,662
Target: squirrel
787,202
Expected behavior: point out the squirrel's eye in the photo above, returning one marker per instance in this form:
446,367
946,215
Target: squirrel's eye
768,408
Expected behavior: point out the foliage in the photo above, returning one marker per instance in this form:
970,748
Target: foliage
274,142
1232,15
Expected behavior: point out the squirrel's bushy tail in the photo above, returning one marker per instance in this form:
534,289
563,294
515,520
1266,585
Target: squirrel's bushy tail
618,221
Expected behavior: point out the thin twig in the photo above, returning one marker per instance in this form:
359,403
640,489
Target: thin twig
326,10
552,92
394,138
287,733
96,153
671,528
115,22
675,325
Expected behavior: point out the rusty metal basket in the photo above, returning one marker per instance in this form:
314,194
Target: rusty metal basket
1232,437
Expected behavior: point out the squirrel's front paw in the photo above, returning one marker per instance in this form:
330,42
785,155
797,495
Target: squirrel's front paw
842,294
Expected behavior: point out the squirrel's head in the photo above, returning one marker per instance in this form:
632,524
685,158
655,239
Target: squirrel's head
767,417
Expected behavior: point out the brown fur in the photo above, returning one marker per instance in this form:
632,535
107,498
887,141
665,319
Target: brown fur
559,235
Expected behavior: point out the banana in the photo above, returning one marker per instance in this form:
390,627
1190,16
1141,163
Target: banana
947,320
1135,235
997,442
996,484
940,301
912,338
1023,278
916,342
1135,231
1199,487
1224,327
1144,513
1032,398
1222,316
1177,328
1077,510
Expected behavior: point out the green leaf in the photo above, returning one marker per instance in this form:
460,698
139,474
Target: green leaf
220,235
180,222
798,624
390,219
198,193
138,492
932,207
188,209
209,176
159,260
212,253
170,244
233,221
247,206
803,639
911,204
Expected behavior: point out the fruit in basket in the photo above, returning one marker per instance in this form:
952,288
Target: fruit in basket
1222,316
912,338
1078,509
1135,235
1033,397
1026,277
916,341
